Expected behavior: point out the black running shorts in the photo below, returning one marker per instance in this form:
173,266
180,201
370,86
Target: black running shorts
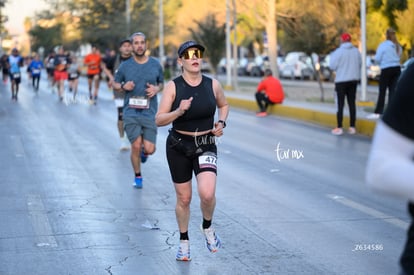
186,154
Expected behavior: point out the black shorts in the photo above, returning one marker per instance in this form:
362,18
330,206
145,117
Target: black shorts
50,72
73,76
92,76
16,77
186,154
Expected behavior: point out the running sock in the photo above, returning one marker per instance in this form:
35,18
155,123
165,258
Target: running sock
137,175
206,223
184,236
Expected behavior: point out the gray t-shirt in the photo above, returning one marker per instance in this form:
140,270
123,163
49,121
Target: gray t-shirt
141,74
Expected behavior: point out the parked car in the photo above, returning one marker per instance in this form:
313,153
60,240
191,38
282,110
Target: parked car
406,63
325,72
261,63
243,67
206,67
297,65
373,69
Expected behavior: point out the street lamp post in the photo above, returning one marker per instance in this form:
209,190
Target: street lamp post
235,59
128,17
161,32
363,52
228,50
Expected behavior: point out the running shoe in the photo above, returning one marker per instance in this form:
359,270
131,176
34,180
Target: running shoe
213,241
373,116
144,156
351,131
337,131
183,253
261,114
138,182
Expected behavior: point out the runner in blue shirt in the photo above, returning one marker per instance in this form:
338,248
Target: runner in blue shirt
35,68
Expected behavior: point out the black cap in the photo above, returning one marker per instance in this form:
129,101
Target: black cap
189,44
124,41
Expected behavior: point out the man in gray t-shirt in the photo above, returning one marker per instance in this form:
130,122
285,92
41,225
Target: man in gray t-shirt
141,77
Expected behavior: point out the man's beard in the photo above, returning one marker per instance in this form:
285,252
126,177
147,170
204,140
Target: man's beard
135,53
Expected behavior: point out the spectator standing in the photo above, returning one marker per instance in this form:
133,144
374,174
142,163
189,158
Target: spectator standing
269,92
388,57
390,166
346,62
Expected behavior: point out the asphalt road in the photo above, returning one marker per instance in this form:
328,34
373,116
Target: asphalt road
291,198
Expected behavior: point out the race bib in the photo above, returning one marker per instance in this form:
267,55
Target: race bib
139,102
16,75
207,161
74,75
36,71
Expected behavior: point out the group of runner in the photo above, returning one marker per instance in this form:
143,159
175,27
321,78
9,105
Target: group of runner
189,102
62,66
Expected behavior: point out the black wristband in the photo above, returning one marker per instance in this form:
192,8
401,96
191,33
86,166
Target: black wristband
222,122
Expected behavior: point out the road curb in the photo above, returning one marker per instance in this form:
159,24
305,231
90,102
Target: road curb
363,126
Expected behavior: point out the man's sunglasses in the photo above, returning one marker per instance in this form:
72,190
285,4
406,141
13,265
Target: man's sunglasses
190,53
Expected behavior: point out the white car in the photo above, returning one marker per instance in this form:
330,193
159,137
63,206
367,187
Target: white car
373,69
297,65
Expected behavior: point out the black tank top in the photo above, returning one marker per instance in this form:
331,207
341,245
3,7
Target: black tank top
200,116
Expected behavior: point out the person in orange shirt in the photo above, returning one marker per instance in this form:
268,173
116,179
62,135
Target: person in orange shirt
269,92
94,63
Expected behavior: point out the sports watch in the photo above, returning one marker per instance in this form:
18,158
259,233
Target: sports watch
222,122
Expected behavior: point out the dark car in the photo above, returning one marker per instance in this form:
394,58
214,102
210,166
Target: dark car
407,63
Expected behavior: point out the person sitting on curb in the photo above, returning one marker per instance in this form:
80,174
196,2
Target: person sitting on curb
269,91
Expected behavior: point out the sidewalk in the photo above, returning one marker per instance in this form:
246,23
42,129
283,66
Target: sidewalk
303,103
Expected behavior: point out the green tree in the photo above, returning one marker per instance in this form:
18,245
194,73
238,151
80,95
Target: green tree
47,32
101,23
46,37
405,21
104,23
212,36
390,9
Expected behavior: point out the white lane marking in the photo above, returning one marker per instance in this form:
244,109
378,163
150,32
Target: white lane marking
40,222
370,211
